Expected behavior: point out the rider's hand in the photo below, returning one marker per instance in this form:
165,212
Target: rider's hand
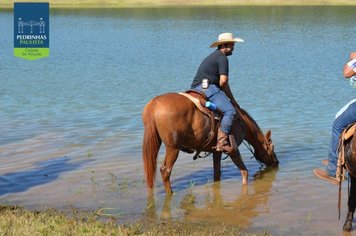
352,55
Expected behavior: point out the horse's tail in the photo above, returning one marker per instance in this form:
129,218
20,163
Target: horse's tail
151,144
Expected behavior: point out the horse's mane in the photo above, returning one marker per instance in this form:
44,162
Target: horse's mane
245,113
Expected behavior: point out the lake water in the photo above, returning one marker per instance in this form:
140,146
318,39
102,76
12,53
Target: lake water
71,129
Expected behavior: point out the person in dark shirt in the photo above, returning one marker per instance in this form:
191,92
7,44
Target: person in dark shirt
212,78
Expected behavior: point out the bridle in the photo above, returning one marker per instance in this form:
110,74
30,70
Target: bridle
264,153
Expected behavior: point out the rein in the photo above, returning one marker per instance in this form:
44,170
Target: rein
256,141
249,147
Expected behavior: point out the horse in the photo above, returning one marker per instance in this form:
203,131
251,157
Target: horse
350,163
174,120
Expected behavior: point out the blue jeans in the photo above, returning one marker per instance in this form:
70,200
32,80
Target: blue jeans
345,117
219,98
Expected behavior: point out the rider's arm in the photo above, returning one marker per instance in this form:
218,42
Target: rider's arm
224,84
224,80
350,67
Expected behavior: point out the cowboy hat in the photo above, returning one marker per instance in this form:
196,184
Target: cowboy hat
226,38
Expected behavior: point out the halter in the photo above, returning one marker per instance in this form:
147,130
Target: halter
253,152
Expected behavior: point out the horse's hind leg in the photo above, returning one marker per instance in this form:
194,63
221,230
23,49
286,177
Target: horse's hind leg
167,166
351,204
236,158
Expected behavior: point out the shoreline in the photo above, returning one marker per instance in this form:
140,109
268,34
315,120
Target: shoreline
179,3
17,220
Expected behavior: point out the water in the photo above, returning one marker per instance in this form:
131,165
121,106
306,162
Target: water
71,129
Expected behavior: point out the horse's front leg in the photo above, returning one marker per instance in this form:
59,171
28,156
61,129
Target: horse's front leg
236,158
217,165
352,205
167,166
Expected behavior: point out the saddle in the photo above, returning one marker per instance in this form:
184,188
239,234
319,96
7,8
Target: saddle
199,99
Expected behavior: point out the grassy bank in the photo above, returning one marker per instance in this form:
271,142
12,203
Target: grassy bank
19,221
161,3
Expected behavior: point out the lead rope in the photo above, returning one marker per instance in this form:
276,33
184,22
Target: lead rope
340,170
339,200
249,147
340,175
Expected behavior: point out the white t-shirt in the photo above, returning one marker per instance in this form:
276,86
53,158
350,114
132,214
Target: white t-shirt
352,64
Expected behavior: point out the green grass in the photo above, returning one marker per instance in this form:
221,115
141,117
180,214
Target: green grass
19,221
16,220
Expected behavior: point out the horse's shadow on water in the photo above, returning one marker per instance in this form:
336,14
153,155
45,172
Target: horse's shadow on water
44,172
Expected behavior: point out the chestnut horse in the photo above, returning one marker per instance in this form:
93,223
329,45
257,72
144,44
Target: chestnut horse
174,120
350,162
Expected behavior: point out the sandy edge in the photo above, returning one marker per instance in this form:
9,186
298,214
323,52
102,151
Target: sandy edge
178,3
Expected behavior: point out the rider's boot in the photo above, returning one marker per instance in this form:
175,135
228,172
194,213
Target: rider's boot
223,143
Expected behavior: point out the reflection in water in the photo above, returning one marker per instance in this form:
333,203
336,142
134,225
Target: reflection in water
252,200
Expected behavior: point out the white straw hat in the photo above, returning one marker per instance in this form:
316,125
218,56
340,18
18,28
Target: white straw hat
226,38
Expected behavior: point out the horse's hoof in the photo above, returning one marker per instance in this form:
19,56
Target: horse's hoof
347,226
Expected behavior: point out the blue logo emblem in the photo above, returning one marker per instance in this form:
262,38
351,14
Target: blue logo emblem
31,30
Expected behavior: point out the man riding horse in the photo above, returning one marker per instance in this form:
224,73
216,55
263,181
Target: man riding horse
177,121
345,117
212,78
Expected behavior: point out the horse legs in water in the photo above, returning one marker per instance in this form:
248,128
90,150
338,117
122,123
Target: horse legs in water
236,158
352,205
217,165
166,167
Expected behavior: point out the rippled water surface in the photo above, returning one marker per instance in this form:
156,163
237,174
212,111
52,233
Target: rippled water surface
71,129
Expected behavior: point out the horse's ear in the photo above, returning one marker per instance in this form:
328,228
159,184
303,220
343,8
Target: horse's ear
268,135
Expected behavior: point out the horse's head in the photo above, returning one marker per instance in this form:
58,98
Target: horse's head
266,153
264,149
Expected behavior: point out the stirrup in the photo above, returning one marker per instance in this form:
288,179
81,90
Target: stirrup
222,148
226,148
221,144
